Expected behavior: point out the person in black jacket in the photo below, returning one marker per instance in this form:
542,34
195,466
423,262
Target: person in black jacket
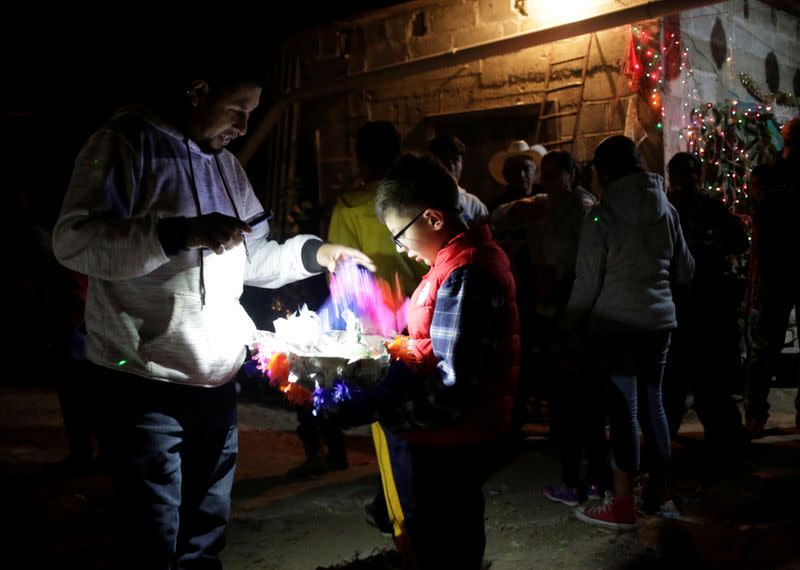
705,353
778,275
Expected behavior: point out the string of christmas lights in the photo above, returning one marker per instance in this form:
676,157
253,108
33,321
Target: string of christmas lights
730,140
645,67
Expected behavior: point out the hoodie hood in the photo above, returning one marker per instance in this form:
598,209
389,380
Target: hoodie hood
362,195
158,122
630,254
637,199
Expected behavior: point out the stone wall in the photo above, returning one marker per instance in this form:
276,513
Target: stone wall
488,101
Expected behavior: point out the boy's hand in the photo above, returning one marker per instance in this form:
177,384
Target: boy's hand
382,401
330,255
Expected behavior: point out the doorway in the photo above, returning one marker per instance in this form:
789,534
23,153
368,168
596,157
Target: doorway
484,133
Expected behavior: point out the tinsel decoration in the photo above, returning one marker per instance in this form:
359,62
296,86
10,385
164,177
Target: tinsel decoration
330,398
780,98
402,349
277,368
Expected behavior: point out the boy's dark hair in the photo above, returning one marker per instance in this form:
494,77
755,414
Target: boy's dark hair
682,161
443,145
378,144
416,182
563,158
616,157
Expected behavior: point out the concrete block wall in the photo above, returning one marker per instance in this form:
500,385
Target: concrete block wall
512,80
750,38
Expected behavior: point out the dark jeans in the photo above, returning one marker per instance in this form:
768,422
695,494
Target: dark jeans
175,451
704,358
441,490
769,338
80,399
578,422
312,430
634,362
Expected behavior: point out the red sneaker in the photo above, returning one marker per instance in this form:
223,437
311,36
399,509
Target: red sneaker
613,513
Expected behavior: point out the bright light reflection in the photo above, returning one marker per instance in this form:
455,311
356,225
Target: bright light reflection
547,13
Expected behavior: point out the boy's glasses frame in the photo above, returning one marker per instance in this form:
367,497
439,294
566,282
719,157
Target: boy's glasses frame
396,237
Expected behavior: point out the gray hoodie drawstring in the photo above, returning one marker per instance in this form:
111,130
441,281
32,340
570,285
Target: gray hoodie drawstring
196,196
233,204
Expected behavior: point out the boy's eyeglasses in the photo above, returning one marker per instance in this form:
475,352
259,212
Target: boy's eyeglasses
396,237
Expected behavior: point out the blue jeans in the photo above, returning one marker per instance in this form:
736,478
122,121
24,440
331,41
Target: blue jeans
174,456
634,362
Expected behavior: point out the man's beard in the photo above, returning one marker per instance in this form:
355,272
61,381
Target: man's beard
205,146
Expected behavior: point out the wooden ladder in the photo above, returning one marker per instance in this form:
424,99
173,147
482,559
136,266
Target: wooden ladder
557,113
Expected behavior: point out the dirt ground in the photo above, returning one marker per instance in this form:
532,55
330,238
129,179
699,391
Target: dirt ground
747,521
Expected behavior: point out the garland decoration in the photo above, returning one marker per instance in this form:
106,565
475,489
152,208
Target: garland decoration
762,95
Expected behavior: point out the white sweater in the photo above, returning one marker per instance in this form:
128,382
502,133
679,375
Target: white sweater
143,312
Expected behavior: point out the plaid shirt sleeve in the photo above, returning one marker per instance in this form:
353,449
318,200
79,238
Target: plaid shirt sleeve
465,332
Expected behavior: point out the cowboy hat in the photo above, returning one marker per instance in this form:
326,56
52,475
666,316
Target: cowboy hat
516,148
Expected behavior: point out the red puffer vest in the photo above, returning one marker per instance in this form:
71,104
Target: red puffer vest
491,414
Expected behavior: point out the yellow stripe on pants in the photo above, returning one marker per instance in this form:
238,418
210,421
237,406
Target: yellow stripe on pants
393,505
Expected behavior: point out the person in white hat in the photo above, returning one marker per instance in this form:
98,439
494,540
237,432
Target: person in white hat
516,168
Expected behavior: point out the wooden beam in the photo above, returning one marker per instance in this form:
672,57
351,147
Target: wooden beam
493,48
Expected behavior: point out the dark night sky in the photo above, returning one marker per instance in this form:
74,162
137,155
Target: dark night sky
63,75
84,64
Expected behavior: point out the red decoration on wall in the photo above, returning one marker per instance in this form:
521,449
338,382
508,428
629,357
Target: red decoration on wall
644,65
672,51
633,63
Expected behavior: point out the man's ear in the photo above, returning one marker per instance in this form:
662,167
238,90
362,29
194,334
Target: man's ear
434,218
197,92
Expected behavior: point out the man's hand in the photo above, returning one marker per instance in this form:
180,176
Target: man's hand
215,231
330,255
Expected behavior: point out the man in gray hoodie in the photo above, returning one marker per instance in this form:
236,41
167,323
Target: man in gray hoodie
163,220
630,250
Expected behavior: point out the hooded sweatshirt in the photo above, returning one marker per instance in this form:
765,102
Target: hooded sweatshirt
355,223
175,318
630,250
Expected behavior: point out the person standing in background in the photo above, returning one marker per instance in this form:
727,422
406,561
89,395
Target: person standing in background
778,275
704,354
449,150
631,250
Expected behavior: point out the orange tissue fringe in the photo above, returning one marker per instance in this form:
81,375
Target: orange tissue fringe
402,348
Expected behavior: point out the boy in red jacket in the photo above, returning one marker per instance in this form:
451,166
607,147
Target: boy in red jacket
443,416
